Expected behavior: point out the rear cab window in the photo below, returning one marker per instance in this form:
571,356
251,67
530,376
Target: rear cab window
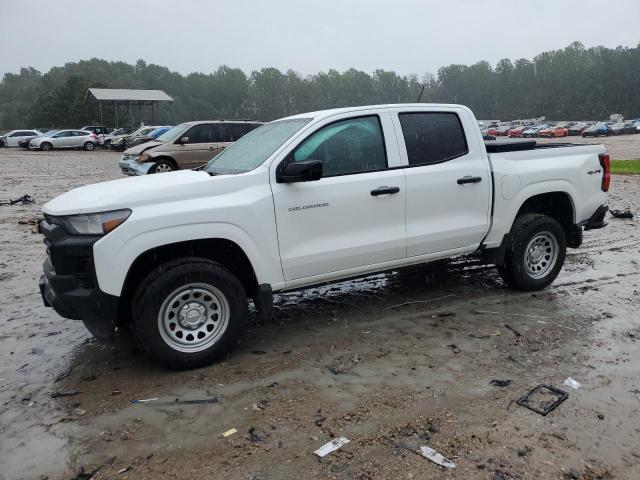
432,137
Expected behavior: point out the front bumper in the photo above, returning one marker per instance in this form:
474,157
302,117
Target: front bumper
69,284
133,167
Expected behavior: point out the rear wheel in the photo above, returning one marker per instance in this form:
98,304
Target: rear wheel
188,313
535,252
46,146
89,146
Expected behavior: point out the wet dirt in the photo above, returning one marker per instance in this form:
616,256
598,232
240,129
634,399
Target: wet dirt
392,362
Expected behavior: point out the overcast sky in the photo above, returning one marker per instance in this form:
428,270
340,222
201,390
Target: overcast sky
408,36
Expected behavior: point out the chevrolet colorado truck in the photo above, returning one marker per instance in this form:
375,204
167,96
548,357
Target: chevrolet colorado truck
311,199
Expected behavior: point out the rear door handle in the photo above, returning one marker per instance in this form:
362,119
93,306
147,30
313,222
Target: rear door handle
384,191
469,179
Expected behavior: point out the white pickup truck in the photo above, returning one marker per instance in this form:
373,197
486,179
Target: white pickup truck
310,199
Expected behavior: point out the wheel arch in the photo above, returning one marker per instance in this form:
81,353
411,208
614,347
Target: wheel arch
221,250
164,157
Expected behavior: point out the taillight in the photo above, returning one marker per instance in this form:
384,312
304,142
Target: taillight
605,163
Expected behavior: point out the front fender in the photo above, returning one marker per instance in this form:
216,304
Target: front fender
113,257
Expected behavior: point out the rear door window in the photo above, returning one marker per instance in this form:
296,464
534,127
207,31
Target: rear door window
432,137
200,133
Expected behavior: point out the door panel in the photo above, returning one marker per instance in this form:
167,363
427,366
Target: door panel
448,182
336,223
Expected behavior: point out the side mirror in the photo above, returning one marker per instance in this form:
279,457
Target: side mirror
184,140
308,171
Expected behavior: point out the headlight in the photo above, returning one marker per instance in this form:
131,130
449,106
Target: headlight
144,157
92,224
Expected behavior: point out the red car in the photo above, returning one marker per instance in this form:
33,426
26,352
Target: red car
517,132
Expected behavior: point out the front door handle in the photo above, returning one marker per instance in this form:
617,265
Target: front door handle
384,191
469,179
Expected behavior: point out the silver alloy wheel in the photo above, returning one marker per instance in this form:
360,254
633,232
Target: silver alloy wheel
193,317
541,255
163,168
89,146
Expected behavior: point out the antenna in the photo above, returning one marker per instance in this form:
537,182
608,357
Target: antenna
421,92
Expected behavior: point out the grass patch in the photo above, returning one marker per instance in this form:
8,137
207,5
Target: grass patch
625,166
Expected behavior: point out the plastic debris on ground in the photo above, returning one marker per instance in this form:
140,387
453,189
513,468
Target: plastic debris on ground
437,458
331,446
621,213
229,432
543,399
570,382
501,383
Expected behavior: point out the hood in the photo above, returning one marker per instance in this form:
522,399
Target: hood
138,149
131,192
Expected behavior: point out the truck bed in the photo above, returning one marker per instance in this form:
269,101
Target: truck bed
498,146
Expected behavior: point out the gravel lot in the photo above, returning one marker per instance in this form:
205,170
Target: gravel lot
391,361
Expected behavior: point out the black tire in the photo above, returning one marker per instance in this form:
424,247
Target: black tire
528,228
156,294
2,144
46,146
89,146
162,165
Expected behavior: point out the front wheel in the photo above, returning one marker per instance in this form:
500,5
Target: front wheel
162,166
188,313
535,252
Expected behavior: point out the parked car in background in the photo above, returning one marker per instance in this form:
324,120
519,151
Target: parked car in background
188,145
10,138
120,142
517,131
628,128
554,132
578,128
100,131
599,129
503,131
65,139
133,140
492,131
116,134
532,132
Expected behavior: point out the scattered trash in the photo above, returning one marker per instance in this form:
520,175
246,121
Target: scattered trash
23,200
513,330
82,475
177,401
70,393
485,335
125,469
570,382
435,457
621,213
454,348
116,392
253,436
331,446
145,400
543,399
501,383
600,416
229,432
419,301
509,313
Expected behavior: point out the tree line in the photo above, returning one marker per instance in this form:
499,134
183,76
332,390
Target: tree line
575,83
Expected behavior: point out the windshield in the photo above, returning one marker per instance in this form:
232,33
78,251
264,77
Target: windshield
255,147
50,133
173,133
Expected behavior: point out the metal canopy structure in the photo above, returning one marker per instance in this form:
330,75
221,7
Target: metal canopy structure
123,96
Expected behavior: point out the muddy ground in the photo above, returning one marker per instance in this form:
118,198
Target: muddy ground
392,362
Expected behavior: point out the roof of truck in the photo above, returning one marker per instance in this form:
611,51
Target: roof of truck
335,111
